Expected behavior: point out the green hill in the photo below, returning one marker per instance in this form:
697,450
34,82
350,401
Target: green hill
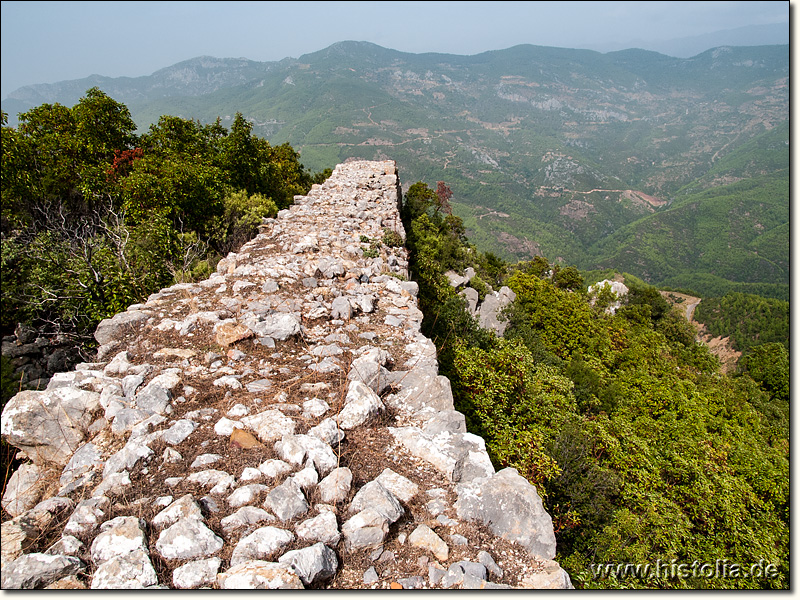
548,151
732,237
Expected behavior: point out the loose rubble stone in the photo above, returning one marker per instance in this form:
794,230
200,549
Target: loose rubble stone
246,494
272,468
373,495
118,537
322,528
400,487
219,481
196,573
113,485
488,561
229,333
110,331
188,539
313,564
244,517
85,459
259,575
204,460
128,572
70,582
50,425
367,529
127,458
327,431
286,501
512,509
178,432
269,425
371,576
37,570
336,486
263,543
23,489
317,360
68,545
183,508
553,577
465,574
361,403
425,538
88,514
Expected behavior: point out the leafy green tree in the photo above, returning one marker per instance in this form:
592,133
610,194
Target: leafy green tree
768,364
95,218
242,214
518,404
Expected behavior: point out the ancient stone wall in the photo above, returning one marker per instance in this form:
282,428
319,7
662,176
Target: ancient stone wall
280,424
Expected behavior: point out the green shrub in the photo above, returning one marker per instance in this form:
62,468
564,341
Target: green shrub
392,239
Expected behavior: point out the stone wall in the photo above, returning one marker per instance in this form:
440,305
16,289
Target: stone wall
280,424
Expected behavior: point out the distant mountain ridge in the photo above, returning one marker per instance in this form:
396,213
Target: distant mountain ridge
547,150
193,77
686,47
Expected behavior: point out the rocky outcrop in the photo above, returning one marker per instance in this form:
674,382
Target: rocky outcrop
488,312
610,293
35,356
279,425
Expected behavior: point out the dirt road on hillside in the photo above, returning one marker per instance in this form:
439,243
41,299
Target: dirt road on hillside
719,346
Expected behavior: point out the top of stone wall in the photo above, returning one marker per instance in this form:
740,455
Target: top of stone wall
280,424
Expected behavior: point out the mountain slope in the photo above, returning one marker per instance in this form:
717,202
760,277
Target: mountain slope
547,150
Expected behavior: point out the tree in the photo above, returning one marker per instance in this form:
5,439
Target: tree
443,195
768,364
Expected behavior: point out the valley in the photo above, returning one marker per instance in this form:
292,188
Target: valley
593,157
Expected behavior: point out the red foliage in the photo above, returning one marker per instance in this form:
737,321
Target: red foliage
444,193
123,159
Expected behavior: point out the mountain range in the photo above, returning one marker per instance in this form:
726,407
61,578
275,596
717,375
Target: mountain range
673,169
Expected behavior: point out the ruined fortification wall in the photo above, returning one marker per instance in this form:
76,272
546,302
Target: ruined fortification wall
280,424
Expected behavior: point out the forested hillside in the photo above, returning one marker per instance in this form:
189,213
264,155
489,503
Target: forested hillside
644,453
641,449
549,151
95,217
732,225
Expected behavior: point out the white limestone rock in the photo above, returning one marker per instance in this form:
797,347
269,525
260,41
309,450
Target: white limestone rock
313,564
262,544
188,539
269,425
244,517
37,570
335,487
197,573
512,509
373,495
246,494
118,537
361,403
322,528
425,538
129,572
183,508
259,575
286,501
24,488
49,426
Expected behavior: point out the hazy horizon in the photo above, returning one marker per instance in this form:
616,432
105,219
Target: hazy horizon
49,42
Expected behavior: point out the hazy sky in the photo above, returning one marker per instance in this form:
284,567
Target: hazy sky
46,42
